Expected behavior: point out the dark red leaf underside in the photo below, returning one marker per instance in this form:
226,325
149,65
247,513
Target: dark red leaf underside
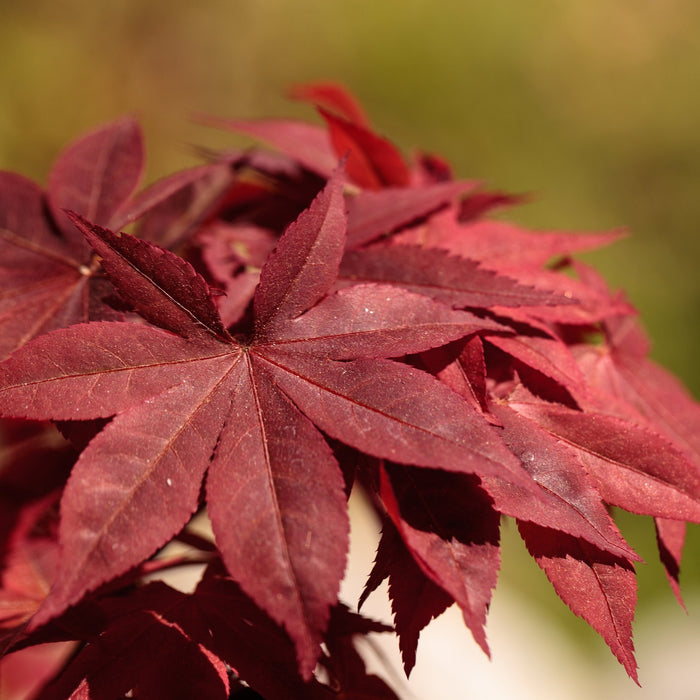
415,598
462,367
452,531
251,643
154,652
670,538
597,586
344,664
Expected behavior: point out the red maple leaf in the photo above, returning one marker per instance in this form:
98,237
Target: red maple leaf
190,398
298,326
47,270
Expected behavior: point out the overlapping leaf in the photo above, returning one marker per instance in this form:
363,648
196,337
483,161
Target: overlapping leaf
632,467
597,586
415,598
452,531
447,278
48,279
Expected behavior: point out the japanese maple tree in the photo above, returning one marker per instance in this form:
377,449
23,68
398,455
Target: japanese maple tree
277,329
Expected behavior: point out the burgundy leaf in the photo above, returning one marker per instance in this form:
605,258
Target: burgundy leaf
590,307
435,273
373,213
548,356
373,161
597,586
305,263
45,281
25,229
333,97
573,505
271,476
455,368
642,390
450,527
138,501
377,321
120,365
373,405
501,245
140,270
633,467
189,385
96,174
200,186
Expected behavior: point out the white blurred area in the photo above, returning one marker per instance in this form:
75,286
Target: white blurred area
532,657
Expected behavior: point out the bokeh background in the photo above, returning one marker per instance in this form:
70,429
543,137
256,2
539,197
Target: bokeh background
592,107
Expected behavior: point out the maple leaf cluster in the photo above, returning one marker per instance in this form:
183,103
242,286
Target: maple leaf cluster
279,328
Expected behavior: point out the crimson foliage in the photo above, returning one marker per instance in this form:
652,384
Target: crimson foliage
280,328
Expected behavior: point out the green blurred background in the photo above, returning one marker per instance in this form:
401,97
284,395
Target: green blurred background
592,106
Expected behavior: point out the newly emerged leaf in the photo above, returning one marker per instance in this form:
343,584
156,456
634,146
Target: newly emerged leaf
333,97
373,161
308,144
